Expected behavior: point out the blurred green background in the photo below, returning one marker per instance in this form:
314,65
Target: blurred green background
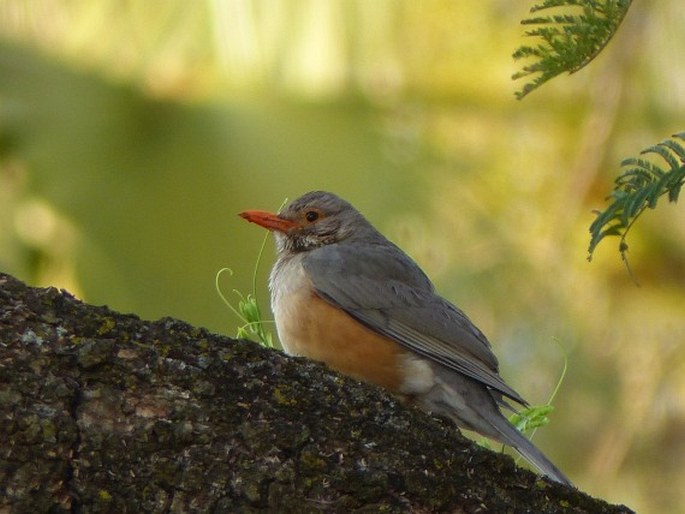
131,133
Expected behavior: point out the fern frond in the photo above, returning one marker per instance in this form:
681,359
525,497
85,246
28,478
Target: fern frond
638,188
570,39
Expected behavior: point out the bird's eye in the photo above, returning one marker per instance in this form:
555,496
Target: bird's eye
311,216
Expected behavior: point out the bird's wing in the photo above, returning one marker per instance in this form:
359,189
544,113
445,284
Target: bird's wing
385,290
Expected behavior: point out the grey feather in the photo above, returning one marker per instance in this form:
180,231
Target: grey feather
369,282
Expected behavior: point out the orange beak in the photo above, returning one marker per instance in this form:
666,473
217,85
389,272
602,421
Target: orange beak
268,220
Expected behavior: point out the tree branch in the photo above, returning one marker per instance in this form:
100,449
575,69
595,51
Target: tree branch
103,412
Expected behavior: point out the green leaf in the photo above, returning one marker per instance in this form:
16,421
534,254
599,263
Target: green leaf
531,418
676,149
639,187
570,39
248,310
663,150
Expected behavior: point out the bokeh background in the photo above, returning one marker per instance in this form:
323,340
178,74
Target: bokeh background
131,133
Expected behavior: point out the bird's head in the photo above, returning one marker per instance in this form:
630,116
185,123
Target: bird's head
313,220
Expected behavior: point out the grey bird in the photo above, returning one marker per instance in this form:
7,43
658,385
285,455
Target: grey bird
345,295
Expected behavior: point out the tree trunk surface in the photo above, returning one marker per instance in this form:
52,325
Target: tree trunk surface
103,412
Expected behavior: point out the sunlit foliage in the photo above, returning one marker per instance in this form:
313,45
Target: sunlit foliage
571,37
638,188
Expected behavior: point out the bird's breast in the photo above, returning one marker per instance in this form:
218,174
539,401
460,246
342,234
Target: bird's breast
310,326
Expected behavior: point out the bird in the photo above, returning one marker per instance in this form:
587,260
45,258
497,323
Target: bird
345,295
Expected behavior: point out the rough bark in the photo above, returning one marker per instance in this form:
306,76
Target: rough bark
103,412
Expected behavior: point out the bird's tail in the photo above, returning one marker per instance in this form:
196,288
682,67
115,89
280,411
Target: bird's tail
512,437
471,405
